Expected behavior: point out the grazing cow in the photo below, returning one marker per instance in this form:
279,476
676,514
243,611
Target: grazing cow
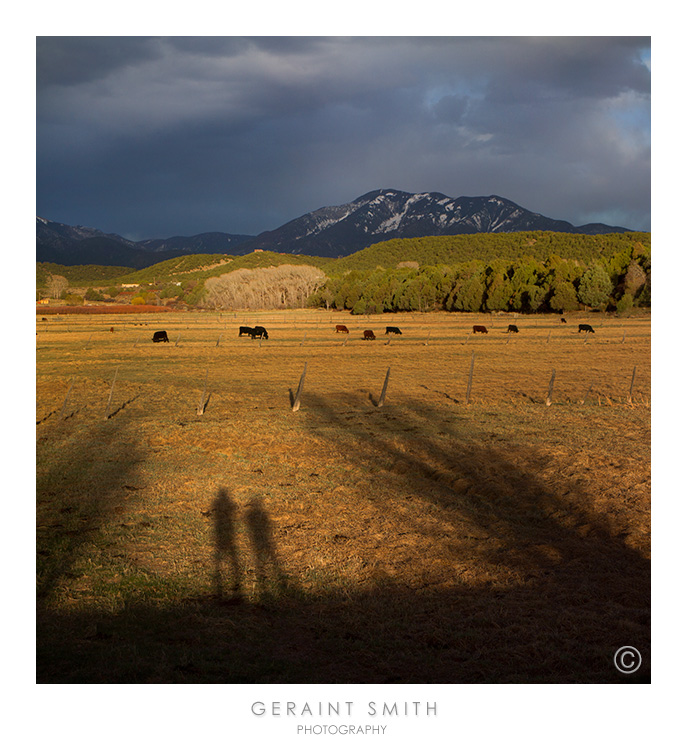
512,328
112,329
341,328
392,330
480,330
368,334
259,332
246,330
585,328
44,319
563,321
160,337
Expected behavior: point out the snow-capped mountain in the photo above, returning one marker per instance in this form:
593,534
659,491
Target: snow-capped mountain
385,214
331,231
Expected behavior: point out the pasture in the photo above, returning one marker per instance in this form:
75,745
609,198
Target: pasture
489,522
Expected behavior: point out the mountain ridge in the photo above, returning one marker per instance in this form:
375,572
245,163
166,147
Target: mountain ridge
327,232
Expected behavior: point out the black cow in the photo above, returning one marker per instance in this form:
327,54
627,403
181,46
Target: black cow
246,330
585,328
368,334
480,329
160,337
259,332
563,321
512,328
392,330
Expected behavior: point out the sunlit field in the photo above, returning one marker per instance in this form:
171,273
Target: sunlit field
488,522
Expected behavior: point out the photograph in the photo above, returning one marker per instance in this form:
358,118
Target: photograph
343,366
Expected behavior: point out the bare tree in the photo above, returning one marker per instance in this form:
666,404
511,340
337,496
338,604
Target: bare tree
56,285
285,286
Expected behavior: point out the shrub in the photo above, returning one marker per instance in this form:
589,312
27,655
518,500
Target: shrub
92,294
624,304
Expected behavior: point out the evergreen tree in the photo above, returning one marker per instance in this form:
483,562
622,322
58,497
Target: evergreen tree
563,297
595,287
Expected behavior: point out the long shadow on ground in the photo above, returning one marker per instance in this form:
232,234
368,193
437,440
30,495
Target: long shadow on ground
562,623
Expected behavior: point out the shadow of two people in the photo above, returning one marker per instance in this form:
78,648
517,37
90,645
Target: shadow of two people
256,521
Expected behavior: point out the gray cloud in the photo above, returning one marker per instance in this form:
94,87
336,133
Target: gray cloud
160,136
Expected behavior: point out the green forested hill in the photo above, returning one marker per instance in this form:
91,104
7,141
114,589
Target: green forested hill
457,249
525,271
202,266
429,251
80,276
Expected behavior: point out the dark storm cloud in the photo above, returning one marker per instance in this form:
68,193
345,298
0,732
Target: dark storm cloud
160,136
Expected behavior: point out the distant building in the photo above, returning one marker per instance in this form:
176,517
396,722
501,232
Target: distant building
259,250
44,301
129,284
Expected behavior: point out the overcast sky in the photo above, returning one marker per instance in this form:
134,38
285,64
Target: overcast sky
150,137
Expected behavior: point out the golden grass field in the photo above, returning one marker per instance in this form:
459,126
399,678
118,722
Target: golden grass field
426,540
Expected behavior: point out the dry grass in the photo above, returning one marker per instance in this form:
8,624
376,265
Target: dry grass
424,541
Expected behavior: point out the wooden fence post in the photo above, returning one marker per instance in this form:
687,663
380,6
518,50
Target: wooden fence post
631,386
587,394
112,389
381,400
201,407
297,397
549,398
179,336
471,377
64,404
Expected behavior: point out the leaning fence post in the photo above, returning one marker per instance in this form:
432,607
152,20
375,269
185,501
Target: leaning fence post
381,400
631,386
218,342
179,336
471,376
549,398
297,396
587,393
201,407
345,340
64,404
112,389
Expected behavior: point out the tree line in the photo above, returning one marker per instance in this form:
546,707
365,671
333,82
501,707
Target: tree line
525,284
